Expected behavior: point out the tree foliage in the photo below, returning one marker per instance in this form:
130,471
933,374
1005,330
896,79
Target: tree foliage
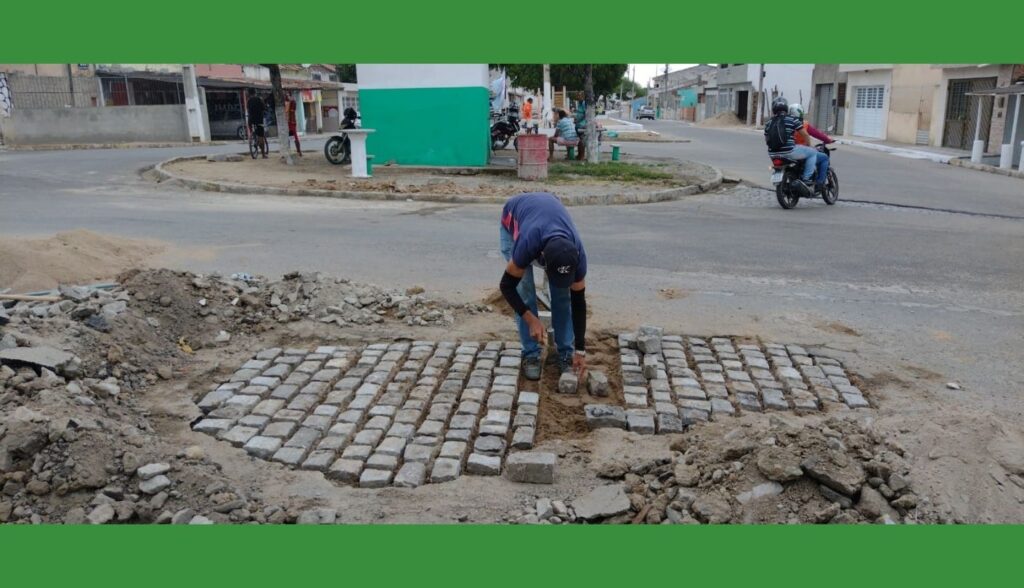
572,76
346,72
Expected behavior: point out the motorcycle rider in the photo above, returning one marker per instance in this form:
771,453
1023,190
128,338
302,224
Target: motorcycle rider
797,111
779,136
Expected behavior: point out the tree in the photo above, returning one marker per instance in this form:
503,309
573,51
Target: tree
606,76
627,85
346,72
593,156
282,119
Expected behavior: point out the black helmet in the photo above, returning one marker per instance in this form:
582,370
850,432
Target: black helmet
780,106
350,112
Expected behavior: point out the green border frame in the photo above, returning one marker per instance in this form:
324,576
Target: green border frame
469,555
467,31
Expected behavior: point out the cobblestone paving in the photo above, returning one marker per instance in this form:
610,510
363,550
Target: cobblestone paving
400,414
670,381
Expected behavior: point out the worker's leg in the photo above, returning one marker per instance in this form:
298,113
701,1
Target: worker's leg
561,320
528,292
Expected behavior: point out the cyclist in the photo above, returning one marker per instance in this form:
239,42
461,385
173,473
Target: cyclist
257,109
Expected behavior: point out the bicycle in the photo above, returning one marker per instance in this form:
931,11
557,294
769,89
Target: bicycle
257,141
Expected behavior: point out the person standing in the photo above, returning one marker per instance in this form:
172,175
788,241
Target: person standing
536,229
528,115
290,106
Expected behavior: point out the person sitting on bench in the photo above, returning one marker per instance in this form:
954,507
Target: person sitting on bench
565,133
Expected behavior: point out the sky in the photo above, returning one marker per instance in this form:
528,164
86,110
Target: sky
646,71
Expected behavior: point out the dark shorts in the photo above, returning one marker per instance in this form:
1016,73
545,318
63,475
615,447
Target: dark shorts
258,130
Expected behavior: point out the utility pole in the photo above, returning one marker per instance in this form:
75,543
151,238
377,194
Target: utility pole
664,92
546,114
760,96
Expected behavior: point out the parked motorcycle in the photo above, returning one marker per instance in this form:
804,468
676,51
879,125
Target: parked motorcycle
338,149
503,130
789,188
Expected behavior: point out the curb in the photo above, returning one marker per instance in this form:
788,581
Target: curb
84,146
900,151
605,200
968,164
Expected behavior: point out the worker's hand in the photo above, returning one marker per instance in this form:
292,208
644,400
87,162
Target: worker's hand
537,331
579,366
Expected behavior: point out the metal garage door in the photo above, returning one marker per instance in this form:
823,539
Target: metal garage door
869,111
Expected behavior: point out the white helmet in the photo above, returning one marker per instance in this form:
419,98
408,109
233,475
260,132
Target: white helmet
796,111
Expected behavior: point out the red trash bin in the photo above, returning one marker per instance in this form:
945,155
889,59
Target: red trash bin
533,157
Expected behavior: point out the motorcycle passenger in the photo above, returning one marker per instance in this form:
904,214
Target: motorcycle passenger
779,136
797,111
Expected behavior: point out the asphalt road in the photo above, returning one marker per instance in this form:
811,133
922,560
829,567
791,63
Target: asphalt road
893,288
864,175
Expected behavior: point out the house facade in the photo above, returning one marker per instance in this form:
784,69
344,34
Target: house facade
737,87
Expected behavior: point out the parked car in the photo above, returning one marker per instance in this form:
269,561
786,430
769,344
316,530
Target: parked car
645,112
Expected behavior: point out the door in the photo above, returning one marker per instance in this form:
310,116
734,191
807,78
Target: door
962,112
742,98
869,111
823,107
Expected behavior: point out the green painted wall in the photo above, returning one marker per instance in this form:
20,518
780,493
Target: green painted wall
427,126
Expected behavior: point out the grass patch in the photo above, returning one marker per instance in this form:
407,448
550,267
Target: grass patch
609,170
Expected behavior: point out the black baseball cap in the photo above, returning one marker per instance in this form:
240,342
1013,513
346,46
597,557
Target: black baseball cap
561,257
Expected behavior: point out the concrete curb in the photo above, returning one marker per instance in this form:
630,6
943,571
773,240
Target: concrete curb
968,164
899,151
601,200
82,146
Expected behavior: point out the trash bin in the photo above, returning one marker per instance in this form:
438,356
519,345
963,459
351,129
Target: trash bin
533,157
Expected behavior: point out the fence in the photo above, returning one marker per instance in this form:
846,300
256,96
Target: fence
30,92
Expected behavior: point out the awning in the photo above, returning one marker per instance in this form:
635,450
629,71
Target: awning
287,84
1004,91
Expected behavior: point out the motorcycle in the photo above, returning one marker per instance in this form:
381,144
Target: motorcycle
503,130
789,188
338,149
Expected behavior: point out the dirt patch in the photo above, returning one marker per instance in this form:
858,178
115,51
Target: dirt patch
72,257
561,415
497,301
924,373
837,327
314,174
672,293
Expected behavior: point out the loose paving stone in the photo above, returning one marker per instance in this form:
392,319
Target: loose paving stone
290,455
531,467
640,421
213,426
483,465
453,450
669,423
418,453
375,478
239,435
319,460
381,461
523,438
445,470
605,416
567,383
263,447
411,475
490,445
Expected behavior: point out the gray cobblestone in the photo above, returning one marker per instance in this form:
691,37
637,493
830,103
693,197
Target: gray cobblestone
445,470
483,465
523,438
531,467
640,421
319,460
411,475
290,455
263,447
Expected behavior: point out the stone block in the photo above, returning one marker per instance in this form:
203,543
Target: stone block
640,421
375,478
445,470
605,416
567,383
263,447
531,467
411,475
483,465
523,438
319,460
597,383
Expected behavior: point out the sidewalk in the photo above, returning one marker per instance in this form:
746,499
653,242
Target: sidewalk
936,154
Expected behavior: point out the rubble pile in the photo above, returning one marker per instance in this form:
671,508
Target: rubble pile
77,443
777,469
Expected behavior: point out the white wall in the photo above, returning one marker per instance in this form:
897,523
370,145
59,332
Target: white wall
880,77
792,80
391,76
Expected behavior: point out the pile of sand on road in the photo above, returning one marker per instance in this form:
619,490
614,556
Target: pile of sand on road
73,257
722,119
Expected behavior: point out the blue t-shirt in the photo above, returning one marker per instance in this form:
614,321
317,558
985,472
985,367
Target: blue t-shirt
534,218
